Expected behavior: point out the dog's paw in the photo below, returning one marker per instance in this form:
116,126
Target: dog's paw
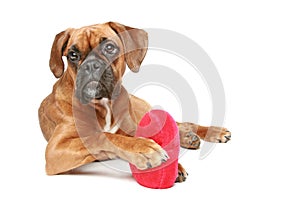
217,135
182,174
189,140
147,154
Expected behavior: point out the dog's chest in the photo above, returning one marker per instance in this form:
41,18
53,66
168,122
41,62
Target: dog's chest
108,126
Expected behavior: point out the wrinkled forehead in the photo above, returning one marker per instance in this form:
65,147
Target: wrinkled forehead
87,38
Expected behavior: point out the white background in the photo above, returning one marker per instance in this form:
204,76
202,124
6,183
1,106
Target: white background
255,46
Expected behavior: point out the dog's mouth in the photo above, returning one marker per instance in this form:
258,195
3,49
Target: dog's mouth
92,90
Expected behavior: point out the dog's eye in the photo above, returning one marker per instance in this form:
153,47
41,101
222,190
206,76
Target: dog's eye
73,56
110,48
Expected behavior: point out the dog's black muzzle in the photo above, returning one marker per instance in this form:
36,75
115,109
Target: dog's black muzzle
95,80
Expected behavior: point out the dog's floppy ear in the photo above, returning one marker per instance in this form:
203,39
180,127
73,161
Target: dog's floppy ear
59,44
135,42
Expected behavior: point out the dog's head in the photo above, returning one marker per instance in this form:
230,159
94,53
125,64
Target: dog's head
97,56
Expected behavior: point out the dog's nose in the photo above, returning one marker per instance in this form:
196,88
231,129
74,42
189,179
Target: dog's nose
91,66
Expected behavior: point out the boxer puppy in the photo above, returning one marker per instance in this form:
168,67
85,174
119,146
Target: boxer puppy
90,116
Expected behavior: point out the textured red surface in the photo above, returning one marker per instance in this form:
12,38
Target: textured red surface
161,127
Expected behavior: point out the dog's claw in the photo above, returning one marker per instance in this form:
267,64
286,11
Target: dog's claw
149,165
228,137
194,138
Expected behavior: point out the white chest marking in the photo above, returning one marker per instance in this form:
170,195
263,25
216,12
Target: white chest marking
107,127
114,129
108,115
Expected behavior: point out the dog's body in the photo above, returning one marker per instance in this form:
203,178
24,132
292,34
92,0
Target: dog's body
89,116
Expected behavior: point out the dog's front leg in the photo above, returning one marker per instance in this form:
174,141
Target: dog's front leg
66,150
143,153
